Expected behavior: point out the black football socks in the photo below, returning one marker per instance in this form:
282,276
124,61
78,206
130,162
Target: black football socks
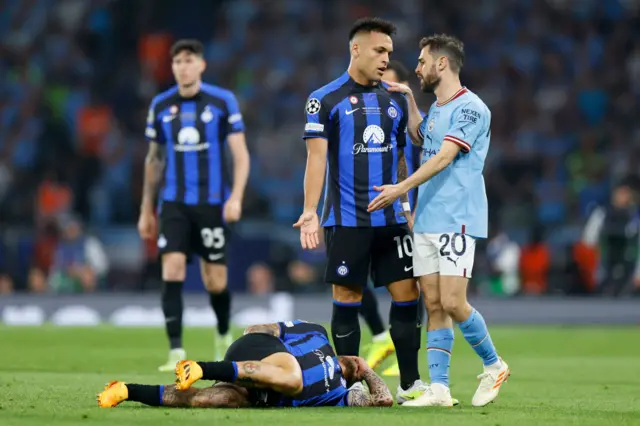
405,333
221,304
345,328
172,308
146,394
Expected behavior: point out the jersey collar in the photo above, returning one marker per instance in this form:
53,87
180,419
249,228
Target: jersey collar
456,95
360,87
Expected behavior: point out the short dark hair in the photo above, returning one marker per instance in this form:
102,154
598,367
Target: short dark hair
367,25
187,44
401,71
447,45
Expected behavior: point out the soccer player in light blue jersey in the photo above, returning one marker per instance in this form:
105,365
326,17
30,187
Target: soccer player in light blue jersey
451,214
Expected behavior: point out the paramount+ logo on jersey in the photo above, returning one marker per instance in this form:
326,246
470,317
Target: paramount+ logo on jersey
189,140
372,141
328,367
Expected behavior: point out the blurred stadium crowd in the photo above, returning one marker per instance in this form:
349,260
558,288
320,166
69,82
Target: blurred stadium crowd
562,78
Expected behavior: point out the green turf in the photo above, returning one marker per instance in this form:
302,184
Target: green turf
560,376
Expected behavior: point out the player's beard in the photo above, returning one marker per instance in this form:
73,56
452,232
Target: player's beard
430,82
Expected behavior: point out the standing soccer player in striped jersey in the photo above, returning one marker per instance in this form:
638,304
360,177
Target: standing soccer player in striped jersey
187,129
359,126
452,212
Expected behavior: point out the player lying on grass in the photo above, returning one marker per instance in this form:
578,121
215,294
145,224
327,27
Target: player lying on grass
290,364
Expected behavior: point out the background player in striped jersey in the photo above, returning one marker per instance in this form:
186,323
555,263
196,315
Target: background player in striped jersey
357,124
382,345
290,364
452,212
187,129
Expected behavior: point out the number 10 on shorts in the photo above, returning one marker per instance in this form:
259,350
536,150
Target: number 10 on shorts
404,245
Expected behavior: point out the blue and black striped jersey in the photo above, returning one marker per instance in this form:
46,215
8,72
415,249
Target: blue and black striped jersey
365,126
322,377
194,131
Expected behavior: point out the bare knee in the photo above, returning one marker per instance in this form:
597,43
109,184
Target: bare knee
214,277
436,316
174,267
452,306
404,291
454,300
347,294
433,305
431,291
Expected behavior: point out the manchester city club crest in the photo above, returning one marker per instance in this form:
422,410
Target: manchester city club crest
431,124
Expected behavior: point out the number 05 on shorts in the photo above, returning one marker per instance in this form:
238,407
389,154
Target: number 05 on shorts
446,254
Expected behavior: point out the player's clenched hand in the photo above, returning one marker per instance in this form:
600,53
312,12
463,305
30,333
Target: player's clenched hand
397,87
232,210
363,367
388,194
147,226
356,368
309,225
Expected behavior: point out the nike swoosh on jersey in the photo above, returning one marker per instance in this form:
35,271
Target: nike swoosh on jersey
351,112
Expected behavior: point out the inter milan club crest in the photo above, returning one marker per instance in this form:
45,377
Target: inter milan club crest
206,115
392,112
342,270
313,106
353,100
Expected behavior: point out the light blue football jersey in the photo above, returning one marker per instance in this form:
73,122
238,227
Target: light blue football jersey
455,200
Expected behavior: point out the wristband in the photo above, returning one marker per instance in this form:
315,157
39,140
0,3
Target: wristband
406,207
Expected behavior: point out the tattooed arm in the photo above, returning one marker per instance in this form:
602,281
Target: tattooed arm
154,166
403,173
222,395
378,394
279,374
272,329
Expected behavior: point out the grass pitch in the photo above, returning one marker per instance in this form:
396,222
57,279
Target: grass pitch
560,376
